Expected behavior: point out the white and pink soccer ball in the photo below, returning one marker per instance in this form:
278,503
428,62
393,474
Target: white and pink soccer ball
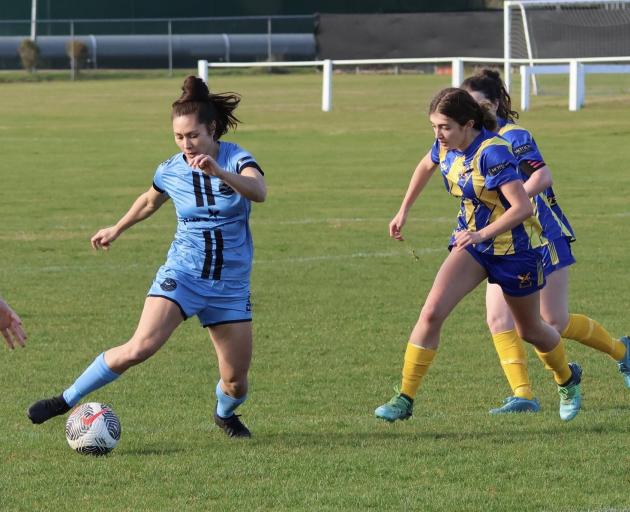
93,428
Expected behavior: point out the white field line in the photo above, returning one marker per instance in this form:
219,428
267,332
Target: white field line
297,259
336,257
410,220
349,220
333,220
415,253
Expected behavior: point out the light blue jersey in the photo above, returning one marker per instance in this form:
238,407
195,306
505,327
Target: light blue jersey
208,266
213,241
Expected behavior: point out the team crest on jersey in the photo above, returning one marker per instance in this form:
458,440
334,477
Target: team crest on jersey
466,173
225,189
497,168
168,285
524,280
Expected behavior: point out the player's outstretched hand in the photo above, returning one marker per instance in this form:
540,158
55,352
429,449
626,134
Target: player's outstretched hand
396,225
206,164
104,237
11,326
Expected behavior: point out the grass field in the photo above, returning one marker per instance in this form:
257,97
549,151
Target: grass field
334,301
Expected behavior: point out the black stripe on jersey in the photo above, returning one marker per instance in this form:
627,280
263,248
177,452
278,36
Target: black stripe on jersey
207,261
243,163
197,187
158,188
207,188
218,262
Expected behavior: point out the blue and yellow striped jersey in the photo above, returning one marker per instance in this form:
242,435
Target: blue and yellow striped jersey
554,222
475,175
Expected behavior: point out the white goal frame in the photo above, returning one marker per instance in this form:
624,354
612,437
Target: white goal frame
509,5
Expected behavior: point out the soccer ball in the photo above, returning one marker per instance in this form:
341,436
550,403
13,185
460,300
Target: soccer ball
93,429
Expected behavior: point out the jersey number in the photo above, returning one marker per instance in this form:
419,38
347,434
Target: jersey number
199,192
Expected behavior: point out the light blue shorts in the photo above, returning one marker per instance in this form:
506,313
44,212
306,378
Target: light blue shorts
218,302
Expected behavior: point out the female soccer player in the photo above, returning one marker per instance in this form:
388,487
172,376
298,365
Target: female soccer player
11,326
496,238
207,271
557,257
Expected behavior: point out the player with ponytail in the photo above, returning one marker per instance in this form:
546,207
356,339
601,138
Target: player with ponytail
207,271
487,86
496,238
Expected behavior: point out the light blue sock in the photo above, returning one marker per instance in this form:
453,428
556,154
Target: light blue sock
226,405
95,376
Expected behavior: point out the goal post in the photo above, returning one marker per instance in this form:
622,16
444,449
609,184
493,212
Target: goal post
563,29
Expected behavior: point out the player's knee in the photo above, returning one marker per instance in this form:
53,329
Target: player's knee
499,323
559,323
431,314
138,352
531,333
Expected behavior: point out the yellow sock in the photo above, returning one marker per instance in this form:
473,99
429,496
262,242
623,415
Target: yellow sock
417,362
556,361
590,333
513,360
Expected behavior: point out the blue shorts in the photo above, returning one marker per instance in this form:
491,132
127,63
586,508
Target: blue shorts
557,254
225,303
517,274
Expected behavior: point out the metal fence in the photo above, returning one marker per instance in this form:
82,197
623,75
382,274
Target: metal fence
129,26
269,35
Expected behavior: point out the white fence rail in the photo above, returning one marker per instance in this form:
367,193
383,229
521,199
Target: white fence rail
457,68
577,69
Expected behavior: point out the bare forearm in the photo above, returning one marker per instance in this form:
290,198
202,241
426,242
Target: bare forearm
421,176
141,209
416,186
248,186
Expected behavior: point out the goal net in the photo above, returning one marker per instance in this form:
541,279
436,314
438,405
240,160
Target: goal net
566,29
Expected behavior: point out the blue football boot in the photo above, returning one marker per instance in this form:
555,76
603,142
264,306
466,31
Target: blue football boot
624,364
400,407
516,404
570,395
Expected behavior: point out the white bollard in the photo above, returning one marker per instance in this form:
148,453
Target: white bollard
327,86
576,85
202,70
457,73
525,84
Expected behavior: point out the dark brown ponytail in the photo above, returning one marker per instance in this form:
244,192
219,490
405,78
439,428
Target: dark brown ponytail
488,82
218,108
